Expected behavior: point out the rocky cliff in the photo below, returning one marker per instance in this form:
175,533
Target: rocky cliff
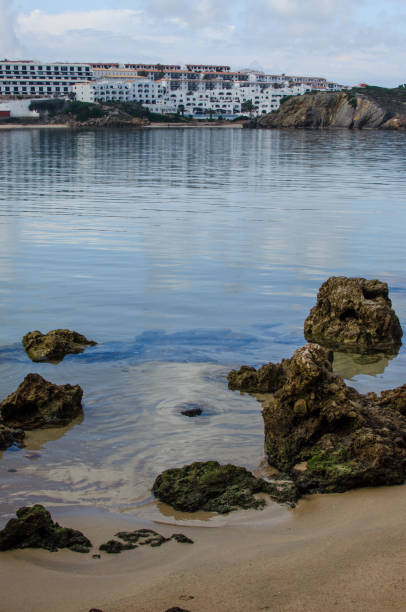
372,107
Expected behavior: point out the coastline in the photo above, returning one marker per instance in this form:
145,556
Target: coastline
41,126
339,551
29,126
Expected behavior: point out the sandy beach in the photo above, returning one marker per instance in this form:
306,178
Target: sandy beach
332,552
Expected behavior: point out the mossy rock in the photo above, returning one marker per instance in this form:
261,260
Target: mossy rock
212,487
34,528
40,403
54,345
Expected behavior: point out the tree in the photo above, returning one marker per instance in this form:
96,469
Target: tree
210,112
181,110
248,107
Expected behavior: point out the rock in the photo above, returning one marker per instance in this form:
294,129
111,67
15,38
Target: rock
34,528
39,403
355,315
181,538
192,412
10,436
142,537
340,438
211,487
54,345
265,380
371,107
114,547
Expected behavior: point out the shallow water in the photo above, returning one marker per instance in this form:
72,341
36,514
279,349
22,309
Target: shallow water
183,253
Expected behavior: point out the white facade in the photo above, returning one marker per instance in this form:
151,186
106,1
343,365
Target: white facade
158,96
19,108
29,79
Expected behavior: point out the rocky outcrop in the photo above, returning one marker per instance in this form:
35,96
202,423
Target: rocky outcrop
34,528
355,315
40,403
54,345
219,488
352,109
265,380
327,436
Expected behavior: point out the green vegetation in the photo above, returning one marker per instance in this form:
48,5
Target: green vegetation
135,109
393,100
329,464
51,107
82,111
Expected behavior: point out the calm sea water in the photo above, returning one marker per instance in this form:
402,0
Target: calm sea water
183,253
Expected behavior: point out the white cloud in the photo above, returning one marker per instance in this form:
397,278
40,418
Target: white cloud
348,41
9,45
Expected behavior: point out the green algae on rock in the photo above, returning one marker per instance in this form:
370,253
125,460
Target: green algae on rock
355,315
212,487
54,345
40,403
34,528
327,436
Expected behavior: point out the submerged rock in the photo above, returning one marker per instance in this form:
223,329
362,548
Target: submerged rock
354,314
213,487
34,528
327,436
39,403
54,345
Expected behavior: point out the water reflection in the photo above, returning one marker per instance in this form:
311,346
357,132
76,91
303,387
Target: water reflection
183,253
350,365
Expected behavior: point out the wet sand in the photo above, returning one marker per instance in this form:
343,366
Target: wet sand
333,552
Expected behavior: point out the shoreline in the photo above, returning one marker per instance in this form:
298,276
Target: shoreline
339,551
21,126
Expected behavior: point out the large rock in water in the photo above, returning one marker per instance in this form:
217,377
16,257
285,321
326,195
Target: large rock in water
39,403
219,488
328,436
355,315
34,528
54,345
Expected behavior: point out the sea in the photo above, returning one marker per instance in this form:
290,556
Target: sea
183,253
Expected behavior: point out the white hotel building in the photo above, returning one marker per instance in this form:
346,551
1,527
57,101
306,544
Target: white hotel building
194,89
158,96
30,79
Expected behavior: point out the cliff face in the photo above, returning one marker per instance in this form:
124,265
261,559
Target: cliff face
338,110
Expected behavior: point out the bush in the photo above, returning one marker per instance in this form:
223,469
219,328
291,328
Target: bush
82,111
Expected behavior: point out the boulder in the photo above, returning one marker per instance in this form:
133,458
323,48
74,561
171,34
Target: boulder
219,488
39,403
327,436
34,528
355,315
54,345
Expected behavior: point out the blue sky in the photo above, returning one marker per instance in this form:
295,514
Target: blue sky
349,41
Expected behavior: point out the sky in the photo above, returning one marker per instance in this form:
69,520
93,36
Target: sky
347,41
